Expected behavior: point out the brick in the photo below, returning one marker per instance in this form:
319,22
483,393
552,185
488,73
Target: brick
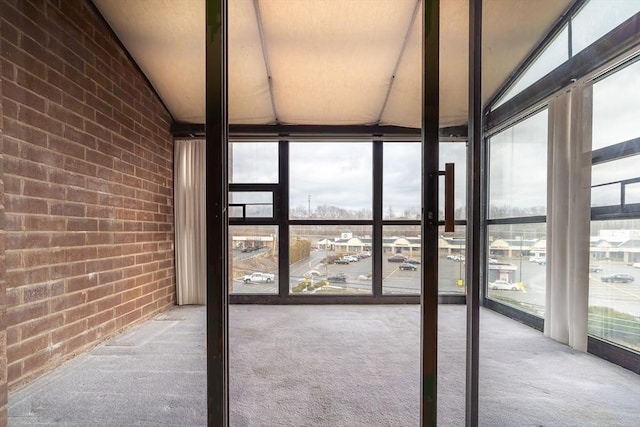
82,282
67,209
23,313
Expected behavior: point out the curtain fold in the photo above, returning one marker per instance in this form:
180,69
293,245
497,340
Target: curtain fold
568,217
189,202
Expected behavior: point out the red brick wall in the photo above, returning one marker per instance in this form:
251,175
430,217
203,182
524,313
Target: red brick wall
88,159
3,283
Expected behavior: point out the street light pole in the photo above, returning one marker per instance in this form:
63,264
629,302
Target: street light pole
521,239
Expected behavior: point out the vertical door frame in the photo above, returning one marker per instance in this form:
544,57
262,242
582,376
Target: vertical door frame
217,221
430,177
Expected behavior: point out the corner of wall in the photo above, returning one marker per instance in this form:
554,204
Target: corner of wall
3,308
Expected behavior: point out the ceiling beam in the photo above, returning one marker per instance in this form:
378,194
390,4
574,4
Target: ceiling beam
405,42
189,130
265,56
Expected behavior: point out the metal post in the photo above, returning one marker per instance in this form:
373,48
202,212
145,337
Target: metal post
217,215
474,176
430,176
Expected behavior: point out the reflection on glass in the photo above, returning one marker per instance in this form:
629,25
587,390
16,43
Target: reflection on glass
632,193
597,18
516,272
456,153
605,195
518,169
616,107
553,56
614,282
616,170
253,163
330,260
253,264
452,261
251,204
401,259
401,180
330,180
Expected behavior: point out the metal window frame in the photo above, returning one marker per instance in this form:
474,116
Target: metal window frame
594,63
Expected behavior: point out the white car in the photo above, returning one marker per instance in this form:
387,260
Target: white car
503,285
636,265
312,274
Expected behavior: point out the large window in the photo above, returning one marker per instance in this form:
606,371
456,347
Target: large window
330,180
401,181
518,169
326,259
253,264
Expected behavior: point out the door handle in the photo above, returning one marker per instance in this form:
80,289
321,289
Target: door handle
449,196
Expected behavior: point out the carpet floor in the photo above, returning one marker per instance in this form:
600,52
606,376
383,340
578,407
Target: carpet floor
327,366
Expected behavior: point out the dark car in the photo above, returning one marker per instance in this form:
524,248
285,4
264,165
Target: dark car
338,277
617,277
397,258
412,261
341,261
407,266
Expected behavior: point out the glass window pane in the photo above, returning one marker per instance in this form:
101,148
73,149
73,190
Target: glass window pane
632,193
553,56
401,264
518,169
616,107
614,282
597,18
616,170
456,153
330,260
253,260
605,195
516,273
452,262
401,180
253,162
256,204
330,180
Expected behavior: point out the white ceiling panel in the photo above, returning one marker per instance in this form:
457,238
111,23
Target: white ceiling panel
167,40
247,77
330,61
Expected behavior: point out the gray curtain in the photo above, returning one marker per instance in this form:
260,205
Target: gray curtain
189,199
568,217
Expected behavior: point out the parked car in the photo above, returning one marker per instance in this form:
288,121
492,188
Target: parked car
503,285
258,277
341,261
351,258
456,257
538,259
407,266
635,265
338,277
617,277
595,268
364,254
397,258
541,261
412,261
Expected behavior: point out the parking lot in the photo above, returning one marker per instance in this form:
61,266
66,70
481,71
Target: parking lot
624,297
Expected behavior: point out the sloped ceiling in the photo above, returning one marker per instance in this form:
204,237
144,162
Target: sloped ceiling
328,62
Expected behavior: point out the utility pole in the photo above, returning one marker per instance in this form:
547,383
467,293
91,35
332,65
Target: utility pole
309,206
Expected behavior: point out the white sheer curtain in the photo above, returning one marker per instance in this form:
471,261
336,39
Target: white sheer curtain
189,199
568,217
